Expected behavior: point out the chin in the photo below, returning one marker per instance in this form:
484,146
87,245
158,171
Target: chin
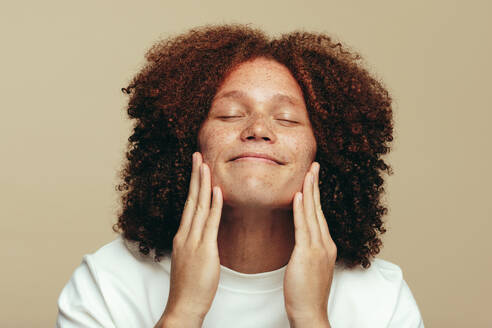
255,199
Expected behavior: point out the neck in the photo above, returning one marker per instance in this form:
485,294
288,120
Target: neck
255,240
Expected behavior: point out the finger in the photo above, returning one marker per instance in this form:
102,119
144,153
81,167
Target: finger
309,210
323,225
190,204
211,229
301,230
203,205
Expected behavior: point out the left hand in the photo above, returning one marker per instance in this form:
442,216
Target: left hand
309,273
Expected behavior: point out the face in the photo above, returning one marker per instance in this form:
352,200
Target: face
259,108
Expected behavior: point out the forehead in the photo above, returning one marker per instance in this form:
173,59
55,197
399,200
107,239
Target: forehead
240,95
263,80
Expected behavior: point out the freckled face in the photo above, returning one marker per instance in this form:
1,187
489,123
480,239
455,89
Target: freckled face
259,108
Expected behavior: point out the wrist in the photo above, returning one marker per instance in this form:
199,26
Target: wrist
173,319
312,321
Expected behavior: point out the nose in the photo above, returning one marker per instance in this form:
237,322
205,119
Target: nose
258,127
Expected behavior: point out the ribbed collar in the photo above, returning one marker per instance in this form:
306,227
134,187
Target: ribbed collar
251,282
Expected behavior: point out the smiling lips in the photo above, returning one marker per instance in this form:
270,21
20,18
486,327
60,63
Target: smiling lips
256,159
264,157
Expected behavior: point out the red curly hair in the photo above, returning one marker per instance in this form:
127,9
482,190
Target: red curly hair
350,112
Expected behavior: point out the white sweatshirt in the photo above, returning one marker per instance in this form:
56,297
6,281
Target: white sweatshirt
117,287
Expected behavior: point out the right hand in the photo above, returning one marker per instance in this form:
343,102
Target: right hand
195,263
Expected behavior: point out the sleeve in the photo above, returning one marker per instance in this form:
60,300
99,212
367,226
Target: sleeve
82,302
406,313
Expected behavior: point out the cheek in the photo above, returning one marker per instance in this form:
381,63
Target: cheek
303,147
212,141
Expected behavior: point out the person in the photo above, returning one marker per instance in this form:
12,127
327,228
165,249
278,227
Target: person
251,194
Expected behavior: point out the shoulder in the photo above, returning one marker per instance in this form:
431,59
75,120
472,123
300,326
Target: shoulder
117,268
381,274
373,297
112,286
121,258
118,260
382,278
378,266
117,251
369,295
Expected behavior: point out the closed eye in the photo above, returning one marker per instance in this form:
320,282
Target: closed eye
287,121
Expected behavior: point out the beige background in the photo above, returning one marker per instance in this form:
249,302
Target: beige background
64,129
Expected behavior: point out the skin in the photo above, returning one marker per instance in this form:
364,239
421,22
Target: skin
257,229
261,223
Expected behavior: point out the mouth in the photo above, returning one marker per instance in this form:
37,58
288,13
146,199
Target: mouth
256,159
257,156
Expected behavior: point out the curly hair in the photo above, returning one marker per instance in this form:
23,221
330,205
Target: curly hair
350,112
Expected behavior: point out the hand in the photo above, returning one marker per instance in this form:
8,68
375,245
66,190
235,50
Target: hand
195,263
309,273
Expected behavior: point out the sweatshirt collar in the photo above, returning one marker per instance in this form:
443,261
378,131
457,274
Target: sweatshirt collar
251,282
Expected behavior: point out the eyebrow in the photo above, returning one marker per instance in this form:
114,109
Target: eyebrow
237,94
